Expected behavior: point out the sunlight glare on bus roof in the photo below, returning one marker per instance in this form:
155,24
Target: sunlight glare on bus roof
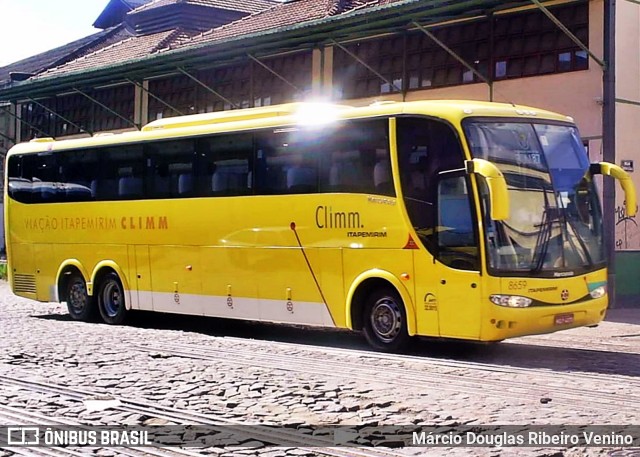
316,113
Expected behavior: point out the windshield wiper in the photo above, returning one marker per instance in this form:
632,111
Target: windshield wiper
542,243
583,245
550,217
544,235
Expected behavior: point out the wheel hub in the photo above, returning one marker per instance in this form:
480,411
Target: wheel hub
78,296
386,319
112,299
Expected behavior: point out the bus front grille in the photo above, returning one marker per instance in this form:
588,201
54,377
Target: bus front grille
24,283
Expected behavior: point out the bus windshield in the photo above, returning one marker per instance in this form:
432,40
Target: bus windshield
555,224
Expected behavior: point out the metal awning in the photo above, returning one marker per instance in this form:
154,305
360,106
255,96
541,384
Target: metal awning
357,23
106,108
28,124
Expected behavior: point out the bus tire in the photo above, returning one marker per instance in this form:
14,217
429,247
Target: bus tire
385,321
111,301
80,305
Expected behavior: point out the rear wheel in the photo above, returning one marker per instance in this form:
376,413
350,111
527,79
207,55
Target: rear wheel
81,307
111,301
385,321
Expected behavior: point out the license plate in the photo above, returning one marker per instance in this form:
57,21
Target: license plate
563,319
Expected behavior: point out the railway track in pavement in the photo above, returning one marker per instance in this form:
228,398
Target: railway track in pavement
320,446
425,373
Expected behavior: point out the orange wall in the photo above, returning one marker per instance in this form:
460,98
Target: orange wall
627,112
577,94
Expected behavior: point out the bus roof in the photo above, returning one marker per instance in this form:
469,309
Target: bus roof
290,114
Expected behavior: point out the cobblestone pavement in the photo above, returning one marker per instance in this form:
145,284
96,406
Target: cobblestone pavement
163,370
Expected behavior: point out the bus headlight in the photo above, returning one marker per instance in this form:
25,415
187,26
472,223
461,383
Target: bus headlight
510,301
598,292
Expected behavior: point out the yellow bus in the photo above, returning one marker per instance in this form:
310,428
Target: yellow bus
453,219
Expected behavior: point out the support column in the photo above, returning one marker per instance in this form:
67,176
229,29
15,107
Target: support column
609,141
138,105
14,109
327,72
7,129
144,114
317,63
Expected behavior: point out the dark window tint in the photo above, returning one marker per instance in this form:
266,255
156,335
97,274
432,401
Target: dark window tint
76,169
286,162
357,159
121,174
42,178
435,190
225,162
172,169
350,156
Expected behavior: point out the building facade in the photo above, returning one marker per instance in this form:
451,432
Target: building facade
161,58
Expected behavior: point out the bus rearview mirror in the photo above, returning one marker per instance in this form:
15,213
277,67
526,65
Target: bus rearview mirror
498,193
616,172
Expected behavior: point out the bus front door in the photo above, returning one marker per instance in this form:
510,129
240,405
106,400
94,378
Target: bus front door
447,300
458,302
457,265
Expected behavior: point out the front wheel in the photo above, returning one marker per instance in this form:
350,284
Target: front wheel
111,302
385,321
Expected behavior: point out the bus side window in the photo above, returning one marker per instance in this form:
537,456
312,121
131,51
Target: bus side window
104,189
225,162
366,164
382,178
185,183
166,169
355,157
285,163
230,177
20,187
45,179
129,186
76,169
259,174
346,173
302,179
121,173
455,223
161,187
457,246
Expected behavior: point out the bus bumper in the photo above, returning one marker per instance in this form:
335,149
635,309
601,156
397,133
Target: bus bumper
500,322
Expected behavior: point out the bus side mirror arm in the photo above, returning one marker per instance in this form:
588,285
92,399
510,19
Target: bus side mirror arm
498,193
609,169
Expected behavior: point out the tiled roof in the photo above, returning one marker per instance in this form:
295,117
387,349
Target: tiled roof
106,50
130,48
120,34
39,62
280,15
244,6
